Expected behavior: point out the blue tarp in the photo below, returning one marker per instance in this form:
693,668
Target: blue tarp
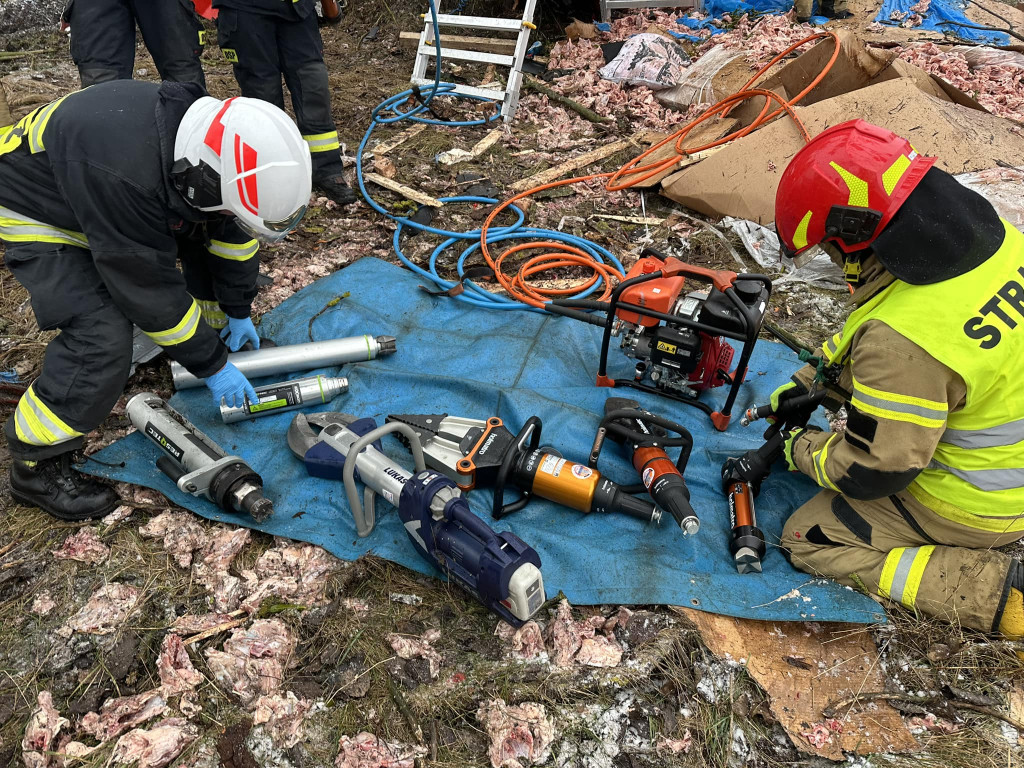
939,12
478,363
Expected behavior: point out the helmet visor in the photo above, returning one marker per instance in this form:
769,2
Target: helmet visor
274,231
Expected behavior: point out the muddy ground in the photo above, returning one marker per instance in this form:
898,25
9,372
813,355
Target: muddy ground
668,701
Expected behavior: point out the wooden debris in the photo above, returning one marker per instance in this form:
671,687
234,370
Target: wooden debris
587,158
408,192
453,156
842,661
648,221
461,42
242,618
533,84
386,146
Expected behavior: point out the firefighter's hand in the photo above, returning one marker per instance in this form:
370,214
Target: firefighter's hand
229,386
240,330
779,397
787,446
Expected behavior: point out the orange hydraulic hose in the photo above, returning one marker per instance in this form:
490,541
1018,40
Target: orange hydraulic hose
561,254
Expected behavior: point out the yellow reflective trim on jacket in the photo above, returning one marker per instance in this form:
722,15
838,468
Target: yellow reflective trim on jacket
31,126
902,573
233,251
212,314
894,173
36,424
18,228
322,142
182,332
897,407
819,457
979,484
857,186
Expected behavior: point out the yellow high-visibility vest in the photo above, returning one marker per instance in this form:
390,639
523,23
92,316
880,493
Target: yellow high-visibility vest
973,324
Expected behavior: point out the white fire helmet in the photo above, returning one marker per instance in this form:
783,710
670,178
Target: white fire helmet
246,157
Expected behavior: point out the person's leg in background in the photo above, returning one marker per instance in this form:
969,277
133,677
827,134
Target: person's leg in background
249,42
301,50
174,35
102,39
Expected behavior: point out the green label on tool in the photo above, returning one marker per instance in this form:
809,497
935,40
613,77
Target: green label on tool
257,407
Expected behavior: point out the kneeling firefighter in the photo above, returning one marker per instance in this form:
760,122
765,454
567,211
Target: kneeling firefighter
928,477
100,193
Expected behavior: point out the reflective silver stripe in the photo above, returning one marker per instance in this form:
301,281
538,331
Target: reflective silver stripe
899,578
898,407
35,136
183,331
233,251
18,228
1010,433
25,433
986,479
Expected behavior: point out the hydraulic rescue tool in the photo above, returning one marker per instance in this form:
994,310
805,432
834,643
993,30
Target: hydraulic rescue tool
678,339
286,396
483,452
742,477
274,361
196,463
500,569
645,437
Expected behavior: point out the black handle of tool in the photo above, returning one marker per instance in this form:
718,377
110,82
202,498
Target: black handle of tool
171,468
625,504
612,425
530,431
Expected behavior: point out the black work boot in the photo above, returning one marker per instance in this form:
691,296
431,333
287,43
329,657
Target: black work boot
55,486
334,186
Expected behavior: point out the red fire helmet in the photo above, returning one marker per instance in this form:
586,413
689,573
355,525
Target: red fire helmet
845,186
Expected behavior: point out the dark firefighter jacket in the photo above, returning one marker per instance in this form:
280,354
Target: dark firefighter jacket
92,170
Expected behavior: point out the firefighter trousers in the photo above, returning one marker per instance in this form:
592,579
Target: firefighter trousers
899,549
86,366
103,38
261,49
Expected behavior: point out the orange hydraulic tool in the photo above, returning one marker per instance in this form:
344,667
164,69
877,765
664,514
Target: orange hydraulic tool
678,339
332,11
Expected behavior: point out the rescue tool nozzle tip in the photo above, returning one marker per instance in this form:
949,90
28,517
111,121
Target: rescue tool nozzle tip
747,561
387,345
261,509
690,526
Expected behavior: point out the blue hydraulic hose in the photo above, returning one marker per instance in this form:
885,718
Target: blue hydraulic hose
388,112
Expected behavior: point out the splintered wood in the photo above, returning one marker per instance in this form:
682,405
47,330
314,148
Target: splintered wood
576,163
804,667
408,192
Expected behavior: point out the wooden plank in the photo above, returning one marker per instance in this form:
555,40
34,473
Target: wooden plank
647,221
804,667
409,192
411,40
569,166
386,146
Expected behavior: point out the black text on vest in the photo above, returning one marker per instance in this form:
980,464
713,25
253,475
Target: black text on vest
1010,295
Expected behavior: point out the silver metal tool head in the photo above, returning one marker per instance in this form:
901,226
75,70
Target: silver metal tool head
747,561
304,430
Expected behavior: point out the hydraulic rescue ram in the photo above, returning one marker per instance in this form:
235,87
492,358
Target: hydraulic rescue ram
196,464
500,569
275,361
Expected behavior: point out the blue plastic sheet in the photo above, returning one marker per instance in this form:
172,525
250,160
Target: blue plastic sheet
944,16
478,363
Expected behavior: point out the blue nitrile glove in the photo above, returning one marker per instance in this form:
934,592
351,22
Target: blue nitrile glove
238,331
230,385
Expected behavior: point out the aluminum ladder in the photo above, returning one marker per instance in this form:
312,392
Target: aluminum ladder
509,96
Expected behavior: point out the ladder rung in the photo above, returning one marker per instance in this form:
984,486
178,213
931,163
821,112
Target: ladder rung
493,94
478,56
477,22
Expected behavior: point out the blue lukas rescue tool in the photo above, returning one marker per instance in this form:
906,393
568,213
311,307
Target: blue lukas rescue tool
500,569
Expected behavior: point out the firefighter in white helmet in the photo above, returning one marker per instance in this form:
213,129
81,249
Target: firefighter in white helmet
101,193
